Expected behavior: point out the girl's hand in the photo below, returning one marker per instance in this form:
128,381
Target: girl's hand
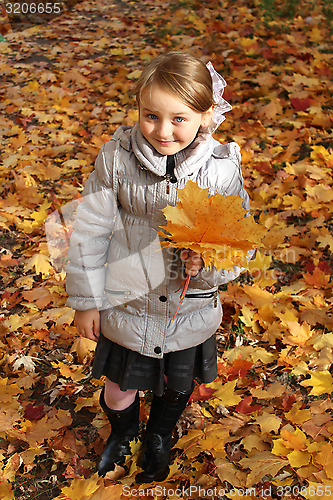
88,323
193,261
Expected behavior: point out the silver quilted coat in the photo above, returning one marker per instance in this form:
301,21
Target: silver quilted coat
115,259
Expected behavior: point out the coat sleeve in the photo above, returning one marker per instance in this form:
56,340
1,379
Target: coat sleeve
226,170
90,240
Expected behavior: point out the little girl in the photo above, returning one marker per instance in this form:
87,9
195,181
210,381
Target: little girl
120,281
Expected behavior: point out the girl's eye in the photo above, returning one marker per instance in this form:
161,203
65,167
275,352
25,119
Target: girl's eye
179,119
152,116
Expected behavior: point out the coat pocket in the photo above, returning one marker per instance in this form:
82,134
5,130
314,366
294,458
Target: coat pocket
204,295
118,297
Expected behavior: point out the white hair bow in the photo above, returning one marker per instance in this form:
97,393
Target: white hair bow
221,105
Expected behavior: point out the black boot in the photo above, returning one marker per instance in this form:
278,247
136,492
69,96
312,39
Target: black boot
124,428
164,413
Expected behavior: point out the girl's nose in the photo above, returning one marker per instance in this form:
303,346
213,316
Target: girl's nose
165,129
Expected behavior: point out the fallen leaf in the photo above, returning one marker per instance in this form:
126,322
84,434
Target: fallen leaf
215,226
261,464
321,383
41,263
268,422
224,394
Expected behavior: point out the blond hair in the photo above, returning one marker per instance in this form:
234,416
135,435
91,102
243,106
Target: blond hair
181,74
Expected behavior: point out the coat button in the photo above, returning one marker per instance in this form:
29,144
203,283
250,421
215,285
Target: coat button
163,298
157,350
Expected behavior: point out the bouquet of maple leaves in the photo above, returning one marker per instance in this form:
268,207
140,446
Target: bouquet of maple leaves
215,226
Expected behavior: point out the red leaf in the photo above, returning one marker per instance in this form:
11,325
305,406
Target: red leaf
34,412
245,406
325,267
300,104
263,166
310,267
288,401
201,393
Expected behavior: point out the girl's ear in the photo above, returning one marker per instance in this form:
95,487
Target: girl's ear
206,118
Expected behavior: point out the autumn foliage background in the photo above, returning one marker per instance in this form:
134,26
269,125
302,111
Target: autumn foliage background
267,421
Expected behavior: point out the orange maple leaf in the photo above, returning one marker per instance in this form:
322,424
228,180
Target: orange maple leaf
214,226
201,393
318,278
239,368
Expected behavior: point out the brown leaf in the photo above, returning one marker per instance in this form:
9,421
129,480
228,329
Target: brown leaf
261,464
227,471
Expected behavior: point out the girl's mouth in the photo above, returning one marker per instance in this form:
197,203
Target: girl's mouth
165,143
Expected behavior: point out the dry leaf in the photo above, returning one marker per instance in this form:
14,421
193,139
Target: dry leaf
321,383
215,226
261,464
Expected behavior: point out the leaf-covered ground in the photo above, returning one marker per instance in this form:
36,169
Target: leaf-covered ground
263,430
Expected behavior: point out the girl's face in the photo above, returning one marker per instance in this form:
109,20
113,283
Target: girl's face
167,123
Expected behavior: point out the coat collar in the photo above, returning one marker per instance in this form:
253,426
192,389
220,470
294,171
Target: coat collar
187,161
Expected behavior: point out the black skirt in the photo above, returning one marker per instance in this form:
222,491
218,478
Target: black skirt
131,370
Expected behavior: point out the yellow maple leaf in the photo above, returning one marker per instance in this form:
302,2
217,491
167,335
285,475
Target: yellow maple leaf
112,492
323,340
15,321
289,442
225,394
73,372
34,85
321,153
189,439
46,428
295,440
326,240
248,352
40,214
258,296
321,383
268,422
86,402
279,448
253,441
81,488
214,438
214,226
197,22
83,347
299,458
62,315
300,333
298,416
41,263
325,458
